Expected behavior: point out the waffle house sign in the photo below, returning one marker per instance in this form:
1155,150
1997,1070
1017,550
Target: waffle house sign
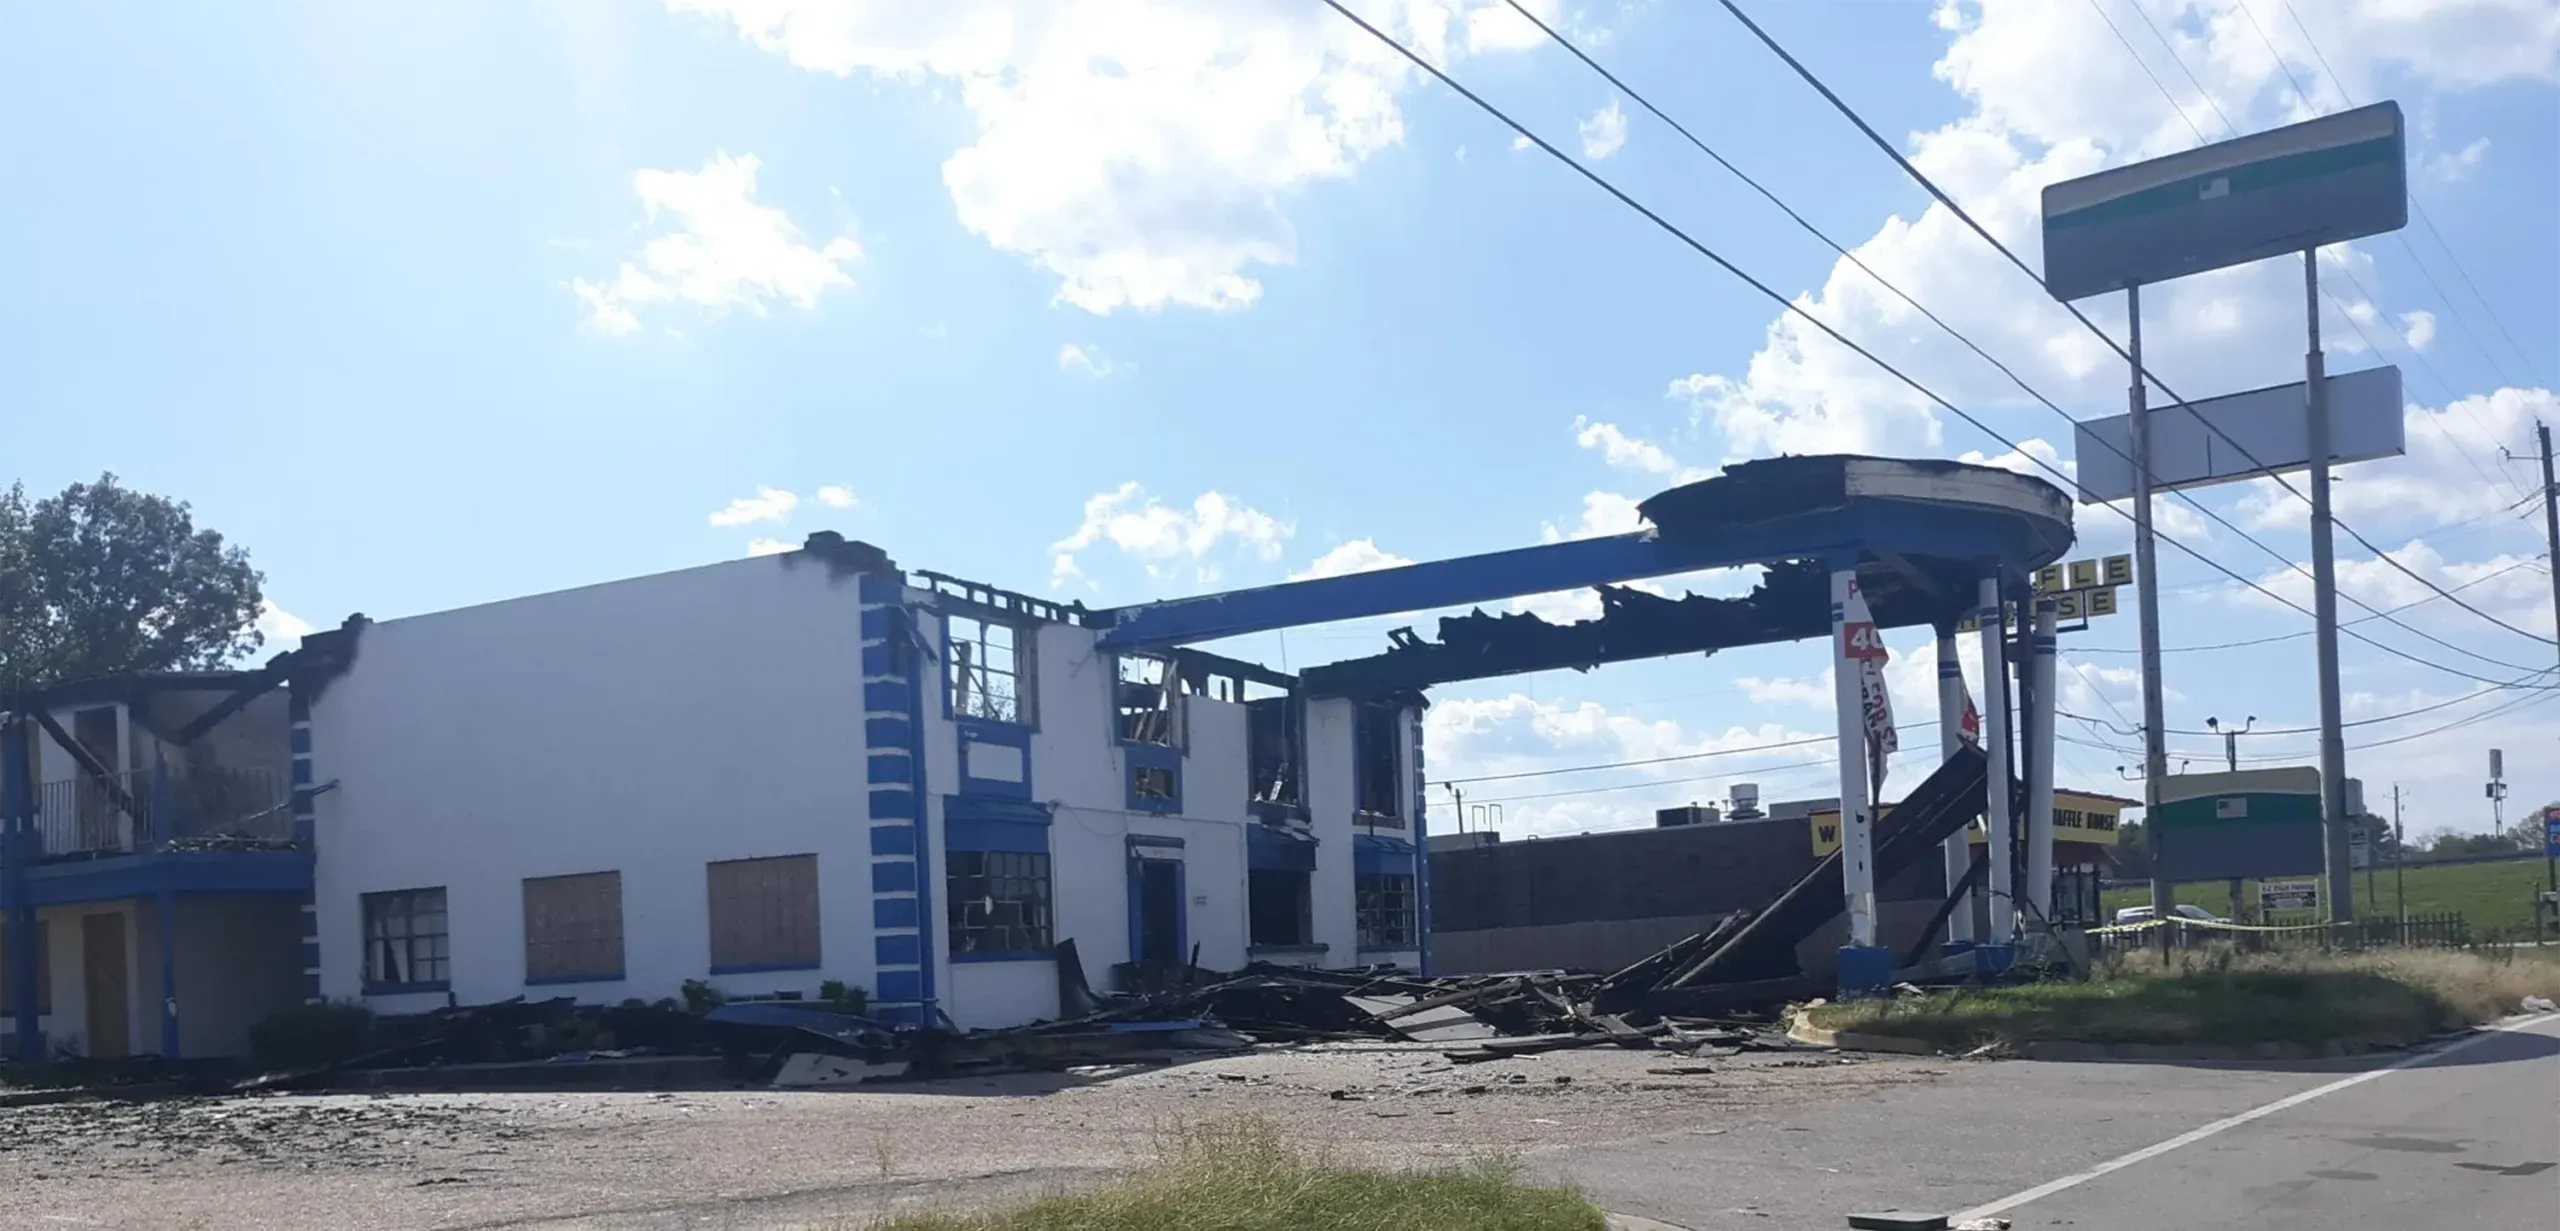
2078,816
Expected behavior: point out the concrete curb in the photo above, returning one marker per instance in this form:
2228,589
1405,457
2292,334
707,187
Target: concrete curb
1632,1222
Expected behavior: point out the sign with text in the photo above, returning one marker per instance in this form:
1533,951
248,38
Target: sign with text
2284,895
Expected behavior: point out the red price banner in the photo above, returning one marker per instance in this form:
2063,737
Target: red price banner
1860,641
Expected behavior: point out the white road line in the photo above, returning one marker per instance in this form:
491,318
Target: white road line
2192,1136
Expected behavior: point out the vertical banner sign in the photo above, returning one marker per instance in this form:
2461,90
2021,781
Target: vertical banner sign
1969,728
1862,651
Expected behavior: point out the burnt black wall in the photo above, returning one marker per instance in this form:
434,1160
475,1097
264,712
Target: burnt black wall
1635,874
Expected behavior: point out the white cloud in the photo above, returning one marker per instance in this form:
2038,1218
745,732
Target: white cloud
1464,737
1521,143
768,504
1356,556
1074,358
2053,95
837,496
2456,166
280,627
1604,132
1602,513
2520,596
2453,470
1161,536
2419,326
724,250
1629,453
1139,151
1815,691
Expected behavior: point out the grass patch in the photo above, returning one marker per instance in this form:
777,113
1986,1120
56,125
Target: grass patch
1244,1176
2217,997
2496,898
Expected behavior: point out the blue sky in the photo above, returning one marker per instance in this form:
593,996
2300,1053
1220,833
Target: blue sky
433,305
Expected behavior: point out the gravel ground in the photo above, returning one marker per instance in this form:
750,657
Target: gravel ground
832,1159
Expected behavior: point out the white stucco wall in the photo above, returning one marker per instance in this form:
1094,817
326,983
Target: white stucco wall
647,726
1331,794
67,1026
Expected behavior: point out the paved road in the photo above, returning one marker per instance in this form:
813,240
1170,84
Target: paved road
2467,1138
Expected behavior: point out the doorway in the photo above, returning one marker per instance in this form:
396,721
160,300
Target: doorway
103,976
97,732
1155,911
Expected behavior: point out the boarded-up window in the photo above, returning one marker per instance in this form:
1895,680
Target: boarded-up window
44,970
764,913
573,927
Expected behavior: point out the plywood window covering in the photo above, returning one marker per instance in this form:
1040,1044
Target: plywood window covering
405,944
44,970
764,913
573,927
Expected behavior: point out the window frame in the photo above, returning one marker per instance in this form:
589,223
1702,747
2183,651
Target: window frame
1022,667
1373,896
1302,902
568,973
372,906
1391,747
1175,712
764,897
970,878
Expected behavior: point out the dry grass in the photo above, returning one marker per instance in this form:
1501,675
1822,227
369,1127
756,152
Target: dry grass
2218,997
1244,1176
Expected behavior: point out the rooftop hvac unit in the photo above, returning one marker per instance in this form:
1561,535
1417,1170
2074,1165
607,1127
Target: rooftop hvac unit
1692,814
1746,801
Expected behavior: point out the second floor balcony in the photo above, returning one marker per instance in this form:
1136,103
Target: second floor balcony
164,809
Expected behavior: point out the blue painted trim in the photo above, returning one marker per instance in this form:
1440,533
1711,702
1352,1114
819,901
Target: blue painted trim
17,824
981,808
893,840
1151,756
884,590
1002,734
963,959
145,875
879,660
565,980
407,989
876,625
980,834
300,741
893,805
310,987
896,1014
905,949
883,734
897,876
1269,851
887,768
310,952
883,697
762,968
301,770
1137,902
1421,852
900,985
1381,856
893,913
1137,840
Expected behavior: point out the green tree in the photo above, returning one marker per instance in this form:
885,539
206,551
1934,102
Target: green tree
104,579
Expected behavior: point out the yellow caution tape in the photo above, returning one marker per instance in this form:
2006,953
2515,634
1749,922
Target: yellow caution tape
2216,925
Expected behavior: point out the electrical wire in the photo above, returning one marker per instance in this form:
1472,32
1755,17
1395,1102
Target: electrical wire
1807,741
2182,403
2424,219
1641,100
2234,645
2131,728
1789,305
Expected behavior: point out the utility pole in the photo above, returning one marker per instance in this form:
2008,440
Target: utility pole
2399,866
1457,800
2146,588
2324,608
2551,533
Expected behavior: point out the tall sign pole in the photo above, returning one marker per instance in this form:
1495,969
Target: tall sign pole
2550,511
2146,589
2324,610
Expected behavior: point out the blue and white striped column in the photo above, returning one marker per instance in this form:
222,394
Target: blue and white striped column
306,833
1421,850
892,704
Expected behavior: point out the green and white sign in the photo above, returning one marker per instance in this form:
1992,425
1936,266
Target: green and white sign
2253,824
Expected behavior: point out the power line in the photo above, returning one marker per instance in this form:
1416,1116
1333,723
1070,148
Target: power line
1789,305
2031,391
1686,756
2424,219
1967,218
2521,683
2235,645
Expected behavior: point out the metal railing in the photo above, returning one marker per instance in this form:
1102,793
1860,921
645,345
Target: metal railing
164,809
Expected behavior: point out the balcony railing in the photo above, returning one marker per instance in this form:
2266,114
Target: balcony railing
165,809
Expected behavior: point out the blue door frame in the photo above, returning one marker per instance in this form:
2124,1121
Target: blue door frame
1137,906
